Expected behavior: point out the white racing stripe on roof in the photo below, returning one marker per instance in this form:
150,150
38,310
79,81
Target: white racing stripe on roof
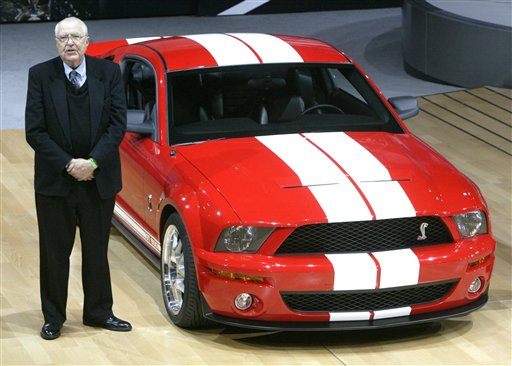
386,197
140,39
270,48
217,44
333,191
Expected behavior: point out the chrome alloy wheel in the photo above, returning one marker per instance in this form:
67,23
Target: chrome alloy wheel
173,270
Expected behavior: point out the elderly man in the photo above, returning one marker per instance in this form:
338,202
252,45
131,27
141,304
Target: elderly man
75,119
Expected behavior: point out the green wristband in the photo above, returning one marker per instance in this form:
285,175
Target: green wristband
93,163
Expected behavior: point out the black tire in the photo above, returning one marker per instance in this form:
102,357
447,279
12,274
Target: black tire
180,292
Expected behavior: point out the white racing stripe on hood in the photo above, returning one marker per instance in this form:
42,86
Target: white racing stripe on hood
334,192
217,44
269,48
354,158
386,197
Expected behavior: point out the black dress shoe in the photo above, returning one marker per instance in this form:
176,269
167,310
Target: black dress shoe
50,331
111,323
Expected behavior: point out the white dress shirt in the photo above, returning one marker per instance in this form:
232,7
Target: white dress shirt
81,70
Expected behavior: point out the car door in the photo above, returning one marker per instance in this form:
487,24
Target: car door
137,152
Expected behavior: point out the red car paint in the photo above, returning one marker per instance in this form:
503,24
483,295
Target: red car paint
249,180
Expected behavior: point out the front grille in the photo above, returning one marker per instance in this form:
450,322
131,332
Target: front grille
367,300
365,236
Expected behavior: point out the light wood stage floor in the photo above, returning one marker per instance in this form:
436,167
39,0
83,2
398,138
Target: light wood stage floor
472,128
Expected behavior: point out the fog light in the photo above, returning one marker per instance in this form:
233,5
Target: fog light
243,301
475,286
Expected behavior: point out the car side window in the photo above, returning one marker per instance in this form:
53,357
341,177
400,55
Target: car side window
341,82
345,94
140,88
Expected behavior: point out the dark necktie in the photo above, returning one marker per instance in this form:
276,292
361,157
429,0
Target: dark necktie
74,78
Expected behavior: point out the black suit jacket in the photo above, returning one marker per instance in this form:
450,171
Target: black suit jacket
47,126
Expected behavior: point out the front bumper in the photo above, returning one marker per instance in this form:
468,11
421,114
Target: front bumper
459,263
349,325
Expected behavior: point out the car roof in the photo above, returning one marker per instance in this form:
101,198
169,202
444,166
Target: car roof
226,49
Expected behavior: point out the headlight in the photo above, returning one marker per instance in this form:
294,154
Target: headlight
471,224
242,239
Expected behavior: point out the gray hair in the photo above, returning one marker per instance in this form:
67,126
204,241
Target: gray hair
71,20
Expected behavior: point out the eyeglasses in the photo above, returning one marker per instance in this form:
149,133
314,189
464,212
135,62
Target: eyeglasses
73,37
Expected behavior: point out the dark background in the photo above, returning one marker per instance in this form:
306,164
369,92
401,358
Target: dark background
50,10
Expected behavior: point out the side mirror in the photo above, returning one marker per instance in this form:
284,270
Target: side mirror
144,129
406,106
135,123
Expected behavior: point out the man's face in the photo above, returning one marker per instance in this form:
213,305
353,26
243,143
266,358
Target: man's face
71,43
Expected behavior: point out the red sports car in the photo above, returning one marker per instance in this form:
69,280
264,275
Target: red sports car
278,189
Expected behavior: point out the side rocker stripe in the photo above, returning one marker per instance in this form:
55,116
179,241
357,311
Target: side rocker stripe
217,44
136,228
269,48
334,192
386,197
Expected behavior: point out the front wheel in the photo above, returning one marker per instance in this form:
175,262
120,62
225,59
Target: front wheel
178,276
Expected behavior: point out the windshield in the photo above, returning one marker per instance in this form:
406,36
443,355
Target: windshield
253,100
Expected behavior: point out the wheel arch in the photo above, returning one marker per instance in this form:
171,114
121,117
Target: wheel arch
167,211
203,210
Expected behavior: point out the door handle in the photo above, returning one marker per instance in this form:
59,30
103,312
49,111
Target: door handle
150,204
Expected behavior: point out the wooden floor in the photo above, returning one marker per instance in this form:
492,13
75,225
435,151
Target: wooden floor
471,128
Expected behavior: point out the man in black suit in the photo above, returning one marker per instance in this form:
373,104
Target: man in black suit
75,119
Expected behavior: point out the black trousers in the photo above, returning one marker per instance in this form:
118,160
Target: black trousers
58,218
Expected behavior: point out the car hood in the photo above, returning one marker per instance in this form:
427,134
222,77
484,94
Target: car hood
331,177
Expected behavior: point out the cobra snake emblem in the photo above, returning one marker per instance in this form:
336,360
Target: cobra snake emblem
423,229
